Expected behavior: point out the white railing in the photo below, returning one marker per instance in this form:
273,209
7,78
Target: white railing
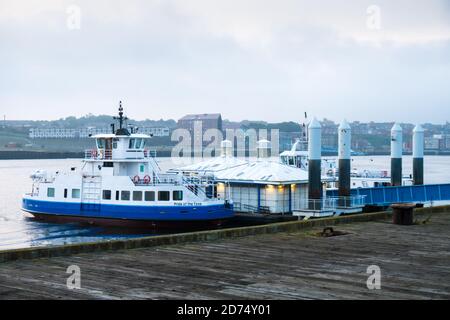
149,153
331,203
200,181
102,154
358,201
161,179
94,154
316,204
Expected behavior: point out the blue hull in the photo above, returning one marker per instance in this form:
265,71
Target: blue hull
126,213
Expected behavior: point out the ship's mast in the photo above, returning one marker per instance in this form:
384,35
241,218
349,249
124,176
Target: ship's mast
122,119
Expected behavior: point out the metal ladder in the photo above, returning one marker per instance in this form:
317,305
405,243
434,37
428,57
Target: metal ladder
91,189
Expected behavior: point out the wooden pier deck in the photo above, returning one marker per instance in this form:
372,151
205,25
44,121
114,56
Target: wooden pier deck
414,262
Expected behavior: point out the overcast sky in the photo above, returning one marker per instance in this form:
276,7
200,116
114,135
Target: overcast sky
380,60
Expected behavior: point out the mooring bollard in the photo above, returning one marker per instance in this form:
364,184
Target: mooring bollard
403,213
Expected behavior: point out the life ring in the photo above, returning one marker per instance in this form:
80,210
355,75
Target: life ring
136,179
147,179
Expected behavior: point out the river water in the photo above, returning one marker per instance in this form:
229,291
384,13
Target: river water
19,230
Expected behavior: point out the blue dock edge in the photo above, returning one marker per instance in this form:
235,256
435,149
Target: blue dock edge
382,196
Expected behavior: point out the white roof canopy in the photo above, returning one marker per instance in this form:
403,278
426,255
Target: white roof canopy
263,172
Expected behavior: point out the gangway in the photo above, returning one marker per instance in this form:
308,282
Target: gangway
382,196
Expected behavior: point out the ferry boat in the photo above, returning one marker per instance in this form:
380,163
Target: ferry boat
298,157
121,184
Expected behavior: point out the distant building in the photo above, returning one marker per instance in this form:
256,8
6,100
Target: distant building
156,132
208,121
192,122
431,143
64,133
440,142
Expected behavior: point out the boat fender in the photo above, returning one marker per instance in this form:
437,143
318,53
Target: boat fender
147,179
136,179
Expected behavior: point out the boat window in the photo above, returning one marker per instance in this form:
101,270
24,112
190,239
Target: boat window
101,143
149,195
114,145
209,190
143,144
106,195
75,193
51,192
137,195
131,144
108,144
125,195
141,168
163,195
138,143
65,193
177,195
117,195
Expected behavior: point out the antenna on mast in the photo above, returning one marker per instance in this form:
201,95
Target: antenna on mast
305,130
122,119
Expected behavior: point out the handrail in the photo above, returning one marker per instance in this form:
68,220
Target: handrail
194,181
153,182
98,154
331,203
106,154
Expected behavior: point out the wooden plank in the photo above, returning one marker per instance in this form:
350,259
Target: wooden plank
414,261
